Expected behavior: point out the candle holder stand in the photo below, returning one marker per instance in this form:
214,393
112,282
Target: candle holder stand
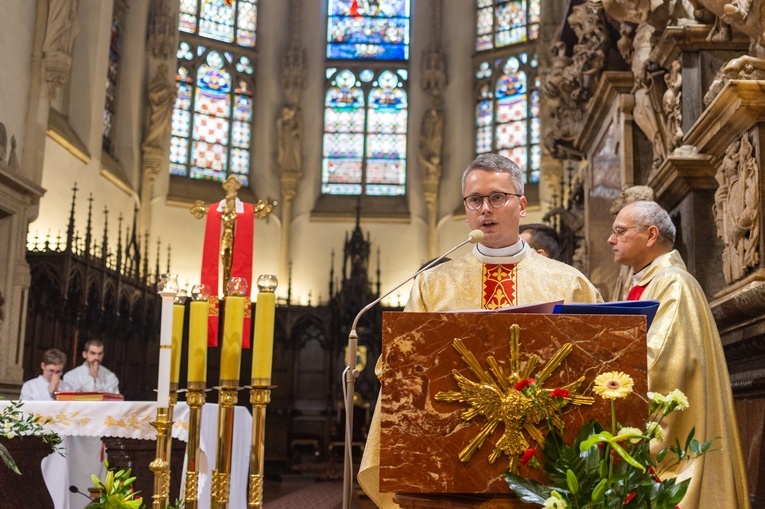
161,465
195,398
221,477
260,396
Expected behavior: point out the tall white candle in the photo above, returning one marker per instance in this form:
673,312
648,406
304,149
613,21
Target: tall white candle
168,290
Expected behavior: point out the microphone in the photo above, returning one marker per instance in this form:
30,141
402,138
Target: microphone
351,373
74,489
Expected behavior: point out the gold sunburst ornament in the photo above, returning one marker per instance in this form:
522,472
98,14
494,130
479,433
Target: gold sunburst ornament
518,399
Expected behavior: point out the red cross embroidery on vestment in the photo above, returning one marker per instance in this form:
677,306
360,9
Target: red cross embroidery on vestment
499,284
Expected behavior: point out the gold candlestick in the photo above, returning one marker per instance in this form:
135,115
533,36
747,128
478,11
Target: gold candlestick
195,398
259,397
161,466
221,478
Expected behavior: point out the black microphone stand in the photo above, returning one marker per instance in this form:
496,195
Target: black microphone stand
351,373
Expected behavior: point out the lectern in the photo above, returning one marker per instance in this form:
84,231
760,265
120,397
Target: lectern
424,438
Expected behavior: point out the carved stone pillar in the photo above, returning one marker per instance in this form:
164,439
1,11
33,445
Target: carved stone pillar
289,129
19,197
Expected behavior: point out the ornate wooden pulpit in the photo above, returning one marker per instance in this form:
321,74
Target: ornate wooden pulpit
440,447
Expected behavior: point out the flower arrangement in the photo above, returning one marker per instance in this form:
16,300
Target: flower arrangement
610,469
15,423
116,492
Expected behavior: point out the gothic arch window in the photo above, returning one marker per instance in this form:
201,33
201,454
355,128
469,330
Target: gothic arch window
507,84
211,136
366,98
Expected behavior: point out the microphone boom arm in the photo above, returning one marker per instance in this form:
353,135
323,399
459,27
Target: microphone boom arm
351,373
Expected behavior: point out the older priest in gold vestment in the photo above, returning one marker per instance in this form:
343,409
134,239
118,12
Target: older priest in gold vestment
684,352
501,271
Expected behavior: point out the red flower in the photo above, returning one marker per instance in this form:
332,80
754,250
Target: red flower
629,498
527,455
559,393
524,383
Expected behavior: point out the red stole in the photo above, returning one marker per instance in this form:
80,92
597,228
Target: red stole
636,291
499,285
241,265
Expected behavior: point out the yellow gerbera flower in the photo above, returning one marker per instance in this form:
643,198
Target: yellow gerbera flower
613,385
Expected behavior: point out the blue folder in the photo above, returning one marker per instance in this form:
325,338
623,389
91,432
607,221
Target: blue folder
625,307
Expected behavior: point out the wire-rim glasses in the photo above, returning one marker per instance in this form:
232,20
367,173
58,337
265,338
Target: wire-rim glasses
497,200
619,231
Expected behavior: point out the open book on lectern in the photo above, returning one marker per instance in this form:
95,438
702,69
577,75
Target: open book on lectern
625,307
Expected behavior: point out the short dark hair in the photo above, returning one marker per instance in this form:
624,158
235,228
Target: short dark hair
92,342
498,164
543,237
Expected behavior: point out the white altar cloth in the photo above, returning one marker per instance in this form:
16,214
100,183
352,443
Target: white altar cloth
130,419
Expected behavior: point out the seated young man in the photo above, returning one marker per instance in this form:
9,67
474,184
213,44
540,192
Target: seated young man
45,386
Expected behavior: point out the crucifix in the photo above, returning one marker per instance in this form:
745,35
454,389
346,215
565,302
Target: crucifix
228,218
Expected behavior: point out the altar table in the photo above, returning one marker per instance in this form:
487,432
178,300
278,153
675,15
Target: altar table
79,421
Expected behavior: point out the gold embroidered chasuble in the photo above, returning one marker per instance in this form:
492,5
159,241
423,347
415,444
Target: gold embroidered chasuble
685,352
476,281
461,283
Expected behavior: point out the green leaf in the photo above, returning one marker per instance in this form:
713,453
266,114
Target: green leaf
689,438
8,459
695,447
626,457
527,490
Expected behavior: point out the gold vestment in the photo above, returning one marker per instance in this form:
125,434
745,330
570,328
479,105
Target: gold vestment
457,285
685,352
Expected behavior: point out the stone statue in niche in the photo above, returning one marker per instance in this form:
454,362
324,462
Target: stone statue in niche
161,100
431,142
60,33
672,106
289,130
13,159
737,202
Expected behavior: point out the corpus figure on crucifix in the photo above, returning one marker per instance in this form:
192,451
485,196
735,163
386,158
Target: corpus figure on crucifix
233,244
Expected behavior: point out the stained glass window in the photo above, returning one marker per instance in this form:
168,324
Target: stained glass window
507,111
365,127
501,23
368,29
366,108
211,136
231,21
112,72
212,118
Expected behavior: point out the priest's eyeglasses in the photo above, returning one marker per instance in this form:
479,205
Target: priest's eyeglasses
619,231
497,200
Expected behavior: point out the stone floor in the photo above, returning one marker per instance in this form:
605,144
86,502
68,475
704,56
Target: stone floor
306,492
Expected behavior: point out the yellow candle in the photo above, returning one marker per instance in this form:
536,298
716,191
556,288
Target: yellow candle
231,352
175,357
263,341
197,354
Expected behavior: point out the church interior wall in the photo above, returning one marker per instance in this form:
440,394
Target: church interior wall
16,32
